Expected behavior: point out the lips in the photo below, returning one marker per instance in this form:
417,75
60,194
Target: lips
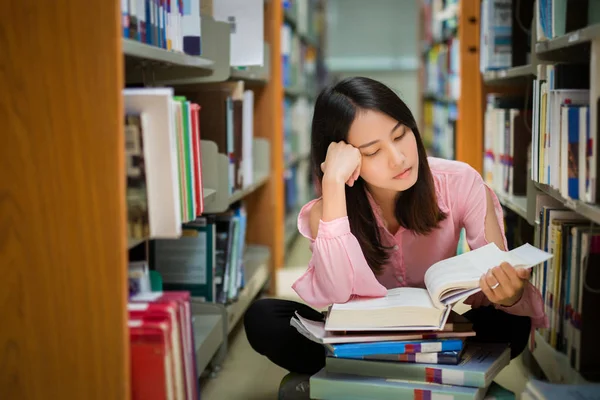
404,174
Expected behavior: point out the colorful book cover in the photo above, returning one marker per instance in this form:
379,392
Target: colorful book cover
480,364
353,350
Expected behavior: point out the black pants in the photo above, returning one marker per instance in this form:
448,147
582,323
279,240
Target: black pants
267,324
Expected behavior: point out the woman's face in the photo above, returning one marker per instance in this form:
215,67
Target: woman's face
390,158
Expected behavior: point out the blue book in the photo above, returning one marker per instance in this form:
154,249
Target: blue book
354,350
480,364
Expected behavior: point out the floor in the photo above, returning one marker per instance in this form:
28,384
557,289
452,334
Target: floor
249,376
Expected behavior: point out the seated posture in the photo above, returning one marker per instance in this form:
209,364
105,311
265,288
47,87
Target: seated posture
387,212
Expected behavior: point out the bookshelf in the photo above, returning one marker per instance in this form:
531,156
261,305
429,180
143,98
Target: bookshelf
65,255
302,30
450,81
556,359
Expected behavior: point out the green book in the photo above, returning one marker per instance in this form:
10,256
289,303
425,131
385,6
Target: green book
480,364
331,386
188,263
187,154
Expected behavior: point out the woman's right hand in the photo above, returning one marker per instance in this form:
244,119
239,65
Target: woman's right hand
342,163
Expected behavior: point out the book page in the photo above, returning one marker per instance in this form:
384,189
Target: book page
463,271
398,297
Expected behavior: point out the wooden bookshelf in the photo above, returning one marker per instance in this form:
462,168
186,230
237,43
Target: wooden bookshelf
65,246
469,119
469,140
63,251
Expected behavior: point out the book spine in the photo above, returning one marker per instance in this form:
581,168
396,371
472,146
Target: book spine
445,358
422,373
365,349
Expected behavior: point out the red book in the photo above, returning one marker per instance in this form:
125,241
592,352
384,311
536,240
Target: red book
179,310
195,111
151,360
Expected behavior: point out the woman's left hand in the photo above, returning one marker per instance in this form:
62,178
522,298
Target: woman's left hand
511,283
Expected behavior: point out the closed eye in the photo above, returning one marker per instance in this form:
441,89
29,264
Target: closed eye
371,154
400,137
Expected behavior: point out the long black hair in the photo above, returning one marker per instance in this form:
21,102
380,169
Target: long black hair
417,208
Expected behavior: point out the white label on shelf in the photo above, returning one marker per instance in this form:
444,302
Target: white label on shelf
574,37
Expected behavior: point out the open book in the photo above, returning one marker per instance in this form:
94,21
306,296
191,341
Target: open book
447,282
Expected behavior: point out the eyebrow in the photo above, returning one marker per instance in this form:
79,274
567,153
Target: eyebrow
375,141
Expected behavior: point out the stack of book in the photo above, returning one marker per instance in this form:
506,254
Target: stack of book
410,344
163,359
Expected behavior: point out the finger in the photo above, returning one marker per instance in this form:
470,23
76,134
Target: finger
511,273
502,277
486,289
323,167
506,288
523,273
491,279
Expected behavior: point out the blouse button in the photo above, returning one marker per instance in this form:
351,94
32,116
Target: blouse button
400,278
396,247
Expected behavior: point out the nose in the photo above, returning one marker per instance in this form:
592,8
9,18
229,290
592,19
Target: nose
396,157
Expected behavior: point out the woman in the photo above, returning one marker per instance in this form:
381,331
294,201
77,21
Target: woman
386,214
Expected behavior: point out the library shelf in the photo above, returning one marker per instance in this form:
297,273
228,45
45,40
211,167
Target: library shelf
509,75
554,364
208,338
590,211
518,204
145,53
574,46
215,47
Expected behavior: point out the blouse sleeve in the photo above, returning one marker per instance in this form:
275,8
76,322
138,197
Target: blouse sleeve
471,200
337,270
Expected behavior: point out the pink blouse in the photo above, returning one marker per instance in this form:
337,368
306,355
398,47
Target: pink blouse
338,269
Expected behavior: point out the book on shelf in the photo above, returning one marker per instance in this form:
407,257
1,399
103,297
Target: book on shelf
208,260
506,144
568,284
172,157
446,282
479,364
563,143
558,17
166,24
227,121
247,32
138,220
504,34
163,353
